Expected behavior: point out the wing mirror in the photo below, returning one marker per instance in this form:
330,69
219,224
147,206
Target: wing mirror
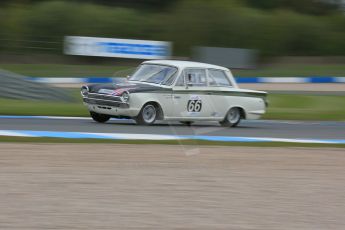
188,81
188,84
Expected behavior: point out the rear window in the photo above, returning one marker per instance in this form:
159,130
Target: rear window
218,78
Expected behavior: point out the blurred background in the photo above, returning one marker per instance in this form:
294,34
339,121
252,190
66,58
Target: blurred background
266,38
274,27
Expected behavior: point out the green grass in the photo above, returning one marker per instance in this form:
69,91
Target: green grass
305,107
44,108
171,142
281,107
58,70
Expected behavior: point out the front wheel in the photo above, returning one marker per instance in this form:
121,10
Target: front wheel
147,115
101,118
232,118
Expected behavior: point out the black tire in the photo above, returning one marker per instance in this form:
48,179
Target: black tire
101,118
232,118
148,115
188,123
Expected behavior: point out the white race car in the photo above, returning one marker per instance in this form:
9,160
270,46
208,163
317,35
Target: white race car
175,91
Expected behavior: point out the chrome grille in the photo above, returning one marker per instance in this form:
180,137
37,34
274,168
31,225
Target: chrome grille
107,97
105,100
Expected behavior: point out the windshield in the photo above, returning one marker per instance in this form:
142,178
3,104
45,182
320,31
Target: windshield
158,74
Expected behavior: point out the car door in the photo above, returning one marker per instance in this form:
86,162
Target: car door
191,98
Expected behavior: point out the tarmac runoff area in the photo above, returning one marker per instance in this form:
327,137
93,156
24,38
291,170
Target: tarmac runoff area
108,186
248,131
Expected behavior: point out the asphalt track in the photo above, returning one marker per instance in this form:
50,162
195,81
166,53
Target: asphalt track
260,128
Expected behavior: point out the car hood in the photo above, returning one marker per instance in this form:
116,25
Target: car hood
119,88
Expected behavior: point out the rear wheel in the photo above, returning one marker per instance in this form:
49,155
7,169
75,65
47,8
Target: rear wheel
147,115
101,118
232,118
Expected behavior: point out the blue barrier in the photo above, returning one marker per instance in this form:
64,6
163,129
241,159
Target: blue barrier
98,80
240,80
244,80
322,79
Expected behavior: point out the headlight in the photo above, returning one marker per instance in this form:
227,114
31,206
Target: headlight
125,97
84,90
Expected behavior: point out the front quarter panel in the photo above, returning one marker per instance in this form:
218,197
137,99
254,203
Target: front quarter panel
163,98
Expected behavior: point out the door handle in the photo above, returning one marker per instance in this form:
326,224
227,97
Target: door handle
177,97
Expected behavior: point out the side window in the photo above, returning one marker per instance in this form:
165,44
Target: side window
218,78
196,77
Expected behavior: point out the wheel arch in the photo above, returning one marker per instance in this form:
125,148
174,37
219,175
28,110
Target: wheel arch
158,107
242,111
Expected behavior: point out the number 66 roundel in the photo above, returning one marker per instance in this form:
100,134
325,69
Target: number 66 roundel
194,105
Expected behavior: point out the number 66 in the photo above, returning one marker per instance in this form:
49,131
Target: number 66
194,105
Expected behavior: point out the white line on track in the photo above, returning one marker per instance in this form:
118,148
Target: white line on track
129,136
14,134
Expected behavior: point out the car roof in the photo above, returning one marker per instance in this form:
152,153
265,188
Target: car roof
184,64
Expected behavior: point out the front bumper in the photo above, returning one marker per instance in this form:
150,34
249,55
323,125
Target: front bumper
113,111
109,104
